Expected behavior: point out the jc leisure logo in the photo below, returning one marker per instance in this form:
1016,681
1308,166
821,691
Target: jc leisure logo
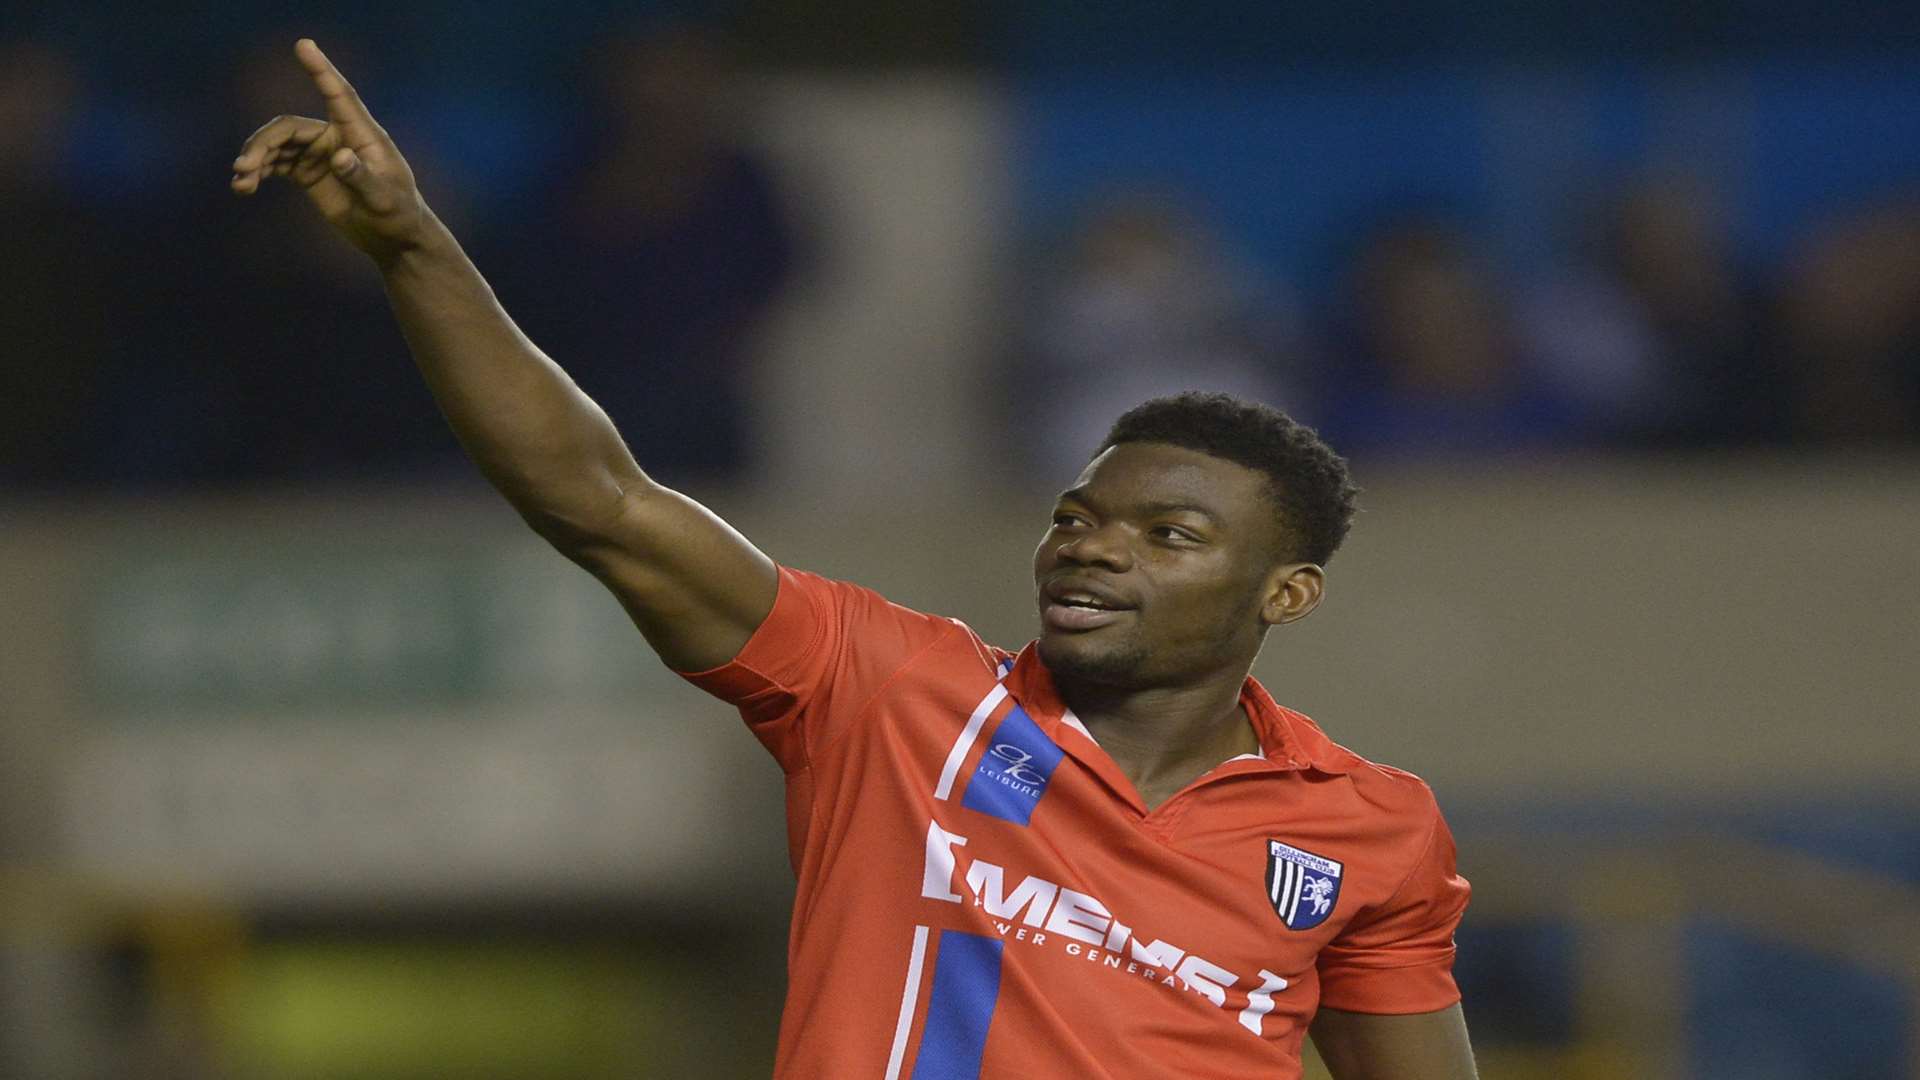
1014,772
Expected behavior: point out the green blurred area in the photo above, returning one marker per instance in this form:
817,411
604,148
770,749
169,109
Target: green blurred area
307,1010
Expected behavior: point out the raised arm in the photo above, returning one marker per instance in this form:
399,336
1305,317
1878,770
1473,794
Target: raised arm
695,587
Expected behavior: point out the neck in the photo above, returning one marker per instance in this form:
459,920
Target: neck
1163,738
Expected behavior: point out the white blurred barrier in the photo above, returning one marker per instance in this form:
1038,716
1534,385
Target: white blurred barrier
417,695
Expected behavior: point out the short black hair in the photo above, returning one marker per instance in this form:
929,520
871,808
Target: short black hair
1307,480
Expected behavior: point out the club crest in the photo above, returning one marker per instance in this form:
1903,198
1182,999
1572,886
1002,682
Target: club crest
1301,886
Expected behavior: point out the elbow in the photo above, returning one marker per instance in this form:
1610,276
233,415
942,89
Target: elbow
568,536
581,539
587,531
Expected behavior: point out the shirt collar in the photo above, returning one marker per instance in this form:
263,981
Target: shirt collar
1289,739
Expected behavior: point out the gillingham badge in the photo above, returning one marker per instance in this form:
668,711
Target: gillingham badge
1301,886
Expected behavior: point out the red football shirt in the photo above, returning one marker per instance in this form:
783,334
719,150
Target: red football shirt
983,893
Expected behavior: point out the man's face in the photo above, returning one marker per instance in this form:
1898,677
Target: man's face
1159,569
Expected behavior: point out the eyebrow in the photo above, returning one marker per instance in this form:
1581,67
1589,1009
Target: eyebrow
1153,508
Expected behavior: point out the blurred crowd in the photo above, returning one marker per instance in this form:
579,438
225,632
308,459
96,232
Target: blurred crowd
1648,335
162,335
158,336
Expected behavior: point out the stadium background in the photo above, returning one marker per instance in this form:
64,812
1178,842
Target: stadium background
313,763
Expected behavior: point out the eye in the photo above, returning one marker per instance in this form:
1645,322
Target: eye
1175,533
1063,519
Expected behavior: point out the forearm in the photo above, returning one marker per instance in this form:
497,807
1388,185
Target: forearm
535,435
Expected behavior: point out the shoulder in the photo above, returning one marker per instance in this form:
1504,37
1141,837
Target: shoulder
1394,790
867,619
1392,793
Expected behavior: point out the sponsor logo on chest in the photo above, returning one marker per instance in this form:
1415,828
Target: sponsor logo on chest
1014,772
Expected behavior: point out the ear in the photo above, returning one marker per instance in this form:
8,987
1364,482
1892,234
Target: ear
1293,591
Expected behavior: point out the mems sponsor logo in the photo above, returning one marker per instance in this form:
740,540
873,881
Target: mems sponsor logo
1034,909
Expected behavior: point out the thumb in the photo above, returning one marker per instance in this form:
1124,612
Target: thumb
347,165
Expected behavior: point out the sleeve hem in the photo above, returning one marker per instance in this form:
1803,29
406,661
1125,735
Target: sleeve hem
742,674
1392,991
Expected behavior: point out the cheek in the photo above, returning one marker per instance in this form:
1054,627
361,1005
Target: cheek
1044,552
1211,611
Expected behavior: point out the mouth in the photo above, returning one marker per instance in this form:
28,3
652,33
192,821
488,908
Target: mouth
1078,606
1068,617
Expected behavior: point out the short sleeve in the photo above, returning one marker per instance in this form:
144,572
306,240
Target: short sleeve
820,656
1398,957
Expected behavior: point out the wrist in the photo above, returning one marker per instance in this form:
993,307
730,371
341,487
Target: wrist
432,242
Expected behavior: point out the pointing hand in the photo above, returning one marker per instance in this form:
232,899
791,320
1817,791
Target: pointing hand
347,165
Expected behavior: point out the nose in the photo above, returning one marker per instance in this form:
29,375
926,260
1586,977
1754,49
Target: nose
1103,547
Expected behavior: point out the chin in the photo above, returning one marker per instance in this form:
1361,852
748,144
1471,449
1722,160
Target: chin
1079,659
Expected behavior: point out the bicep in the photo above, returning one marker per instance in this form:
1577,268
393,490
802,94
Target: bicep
694,586
1373,1046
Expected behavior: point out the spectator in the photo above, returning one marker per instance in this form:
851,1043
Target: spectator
1651,330
652,252
1434,368
1850,328
1149,304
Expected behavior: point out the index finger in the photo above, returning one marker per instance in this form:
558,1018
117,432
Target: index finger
344,107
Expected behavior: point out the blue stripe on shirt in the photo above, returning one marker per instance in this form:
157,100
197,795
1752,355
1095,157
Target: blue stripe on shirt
966,983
